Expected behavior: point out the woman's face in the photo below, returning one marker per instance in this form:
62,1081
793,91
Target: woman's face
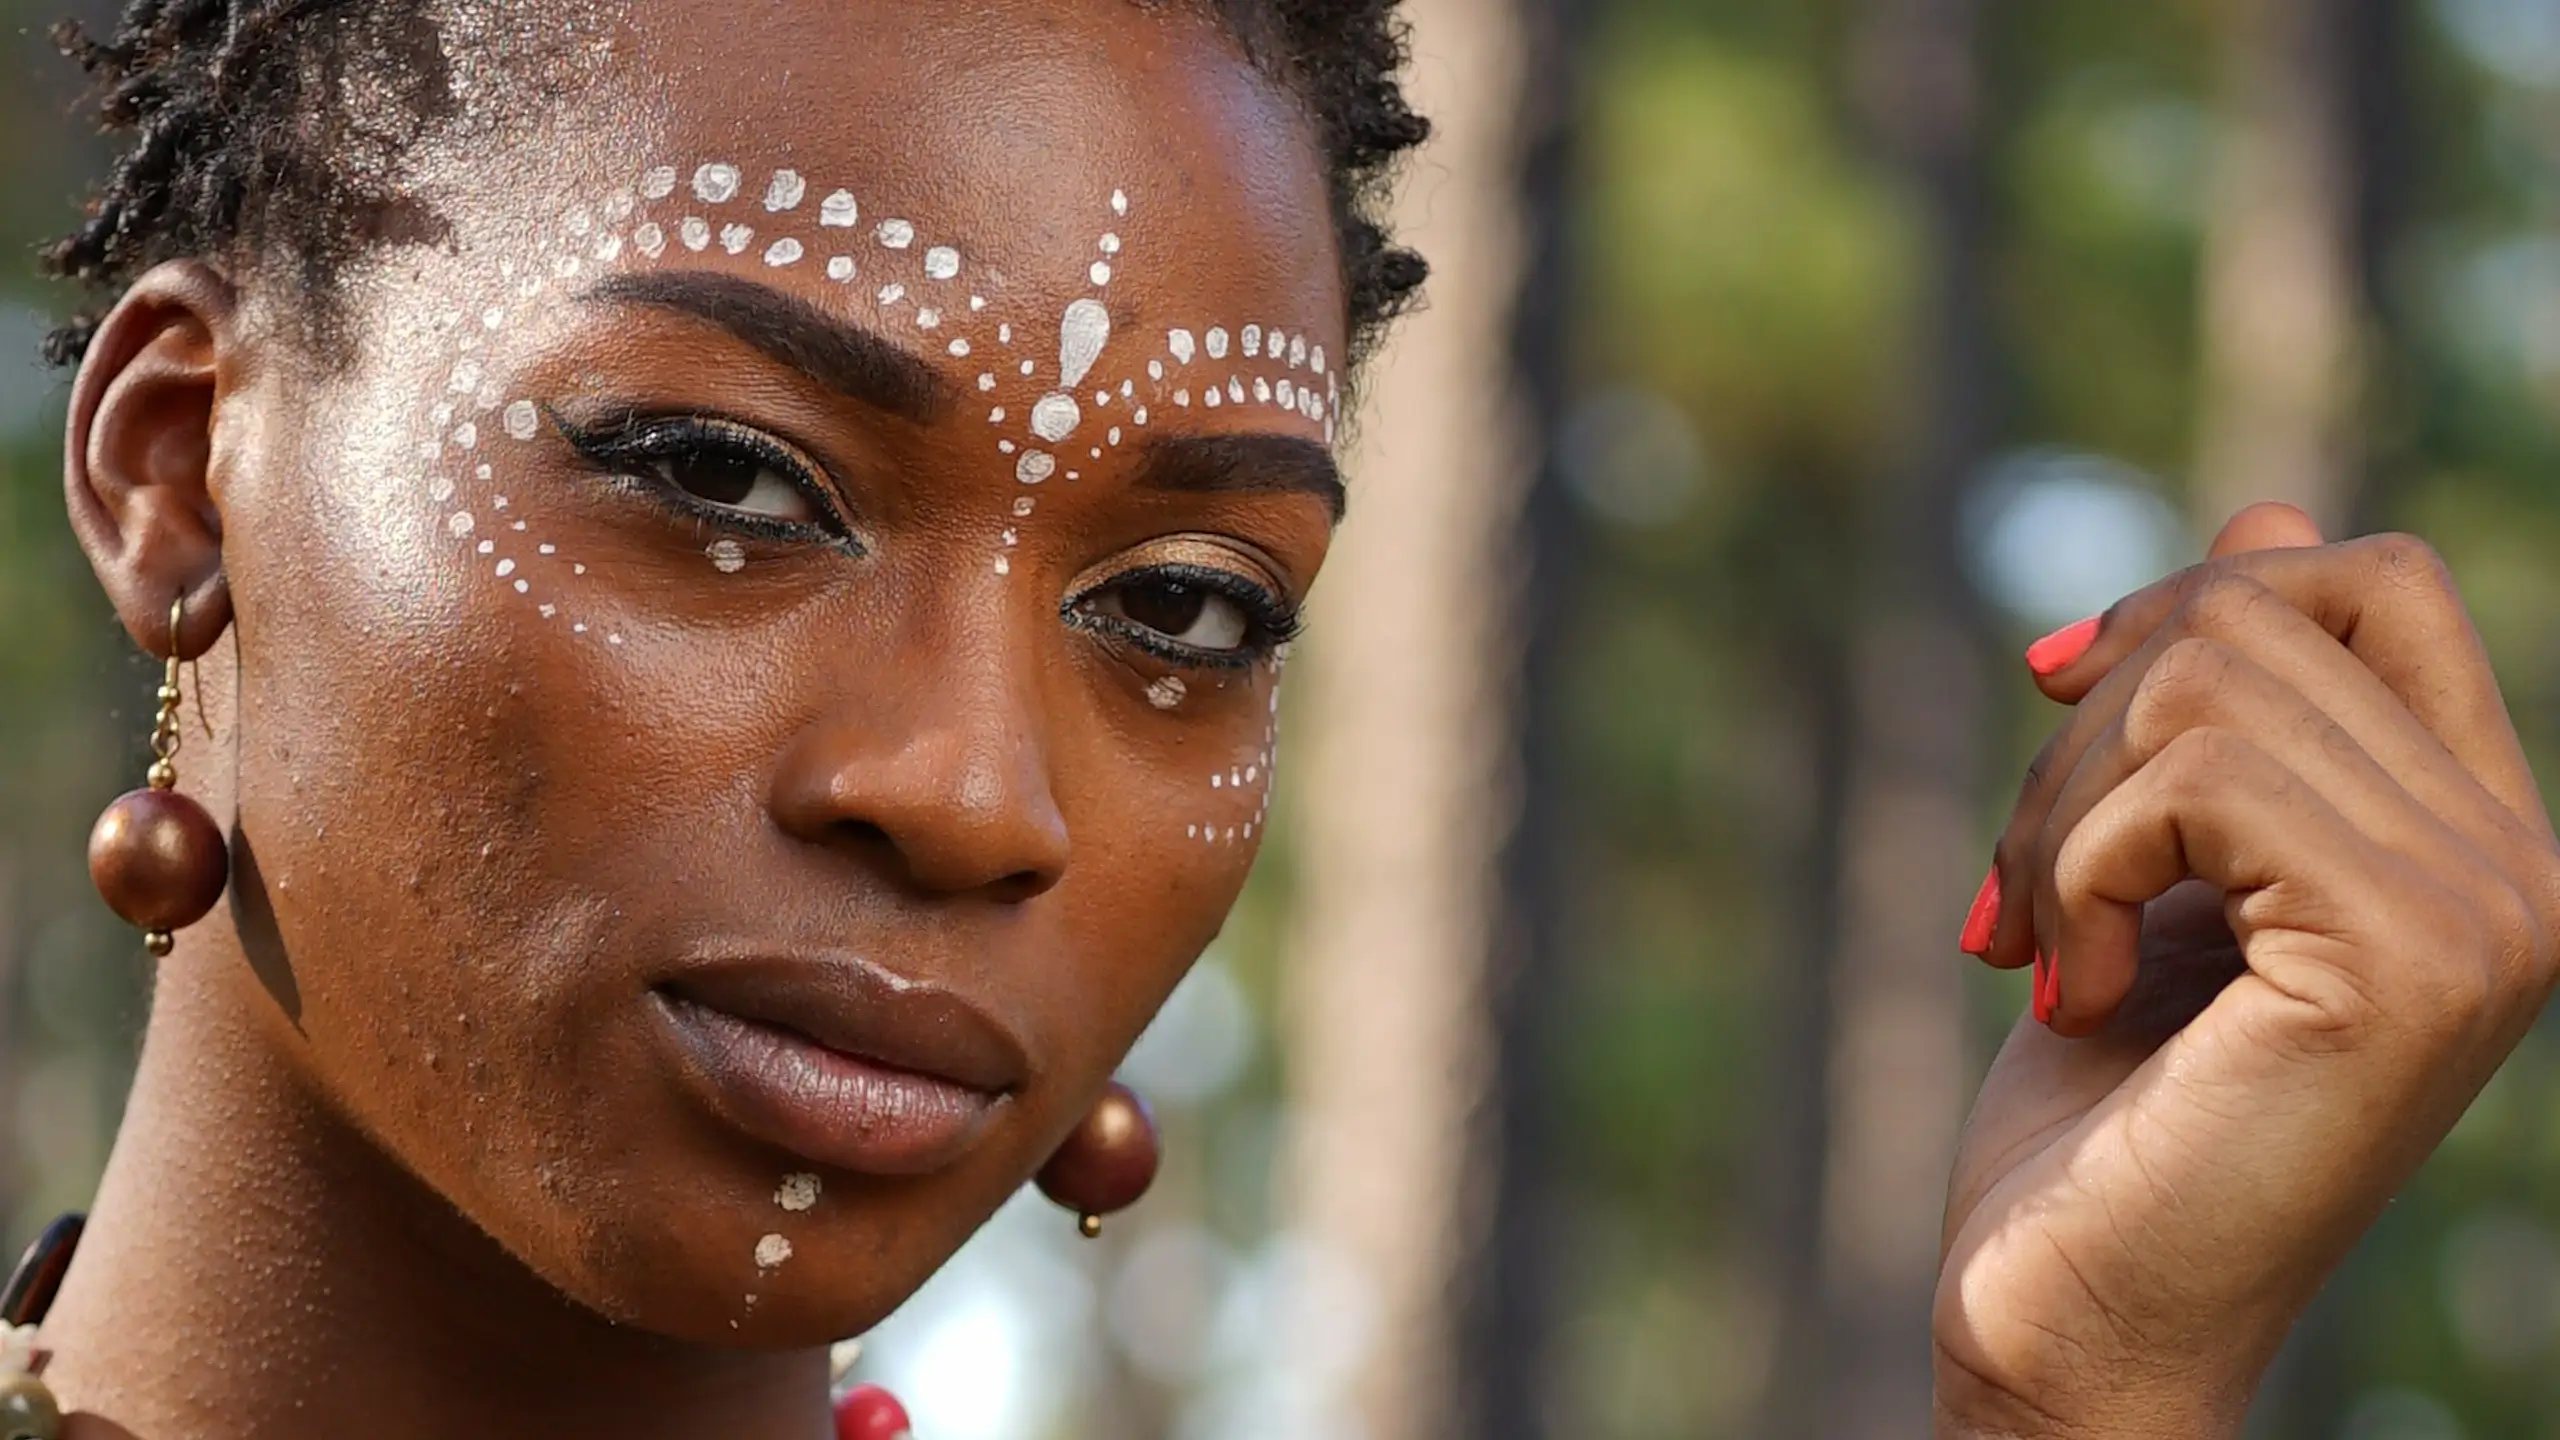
758,675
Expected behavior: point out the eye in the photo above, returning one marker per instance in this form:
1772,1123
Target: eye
716,469
1183,612
734,479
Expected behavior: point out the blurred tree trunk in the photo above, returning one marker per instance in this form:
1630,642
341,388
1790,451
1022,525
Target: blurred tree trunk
2341,118
2286,301
1903,839
1404,777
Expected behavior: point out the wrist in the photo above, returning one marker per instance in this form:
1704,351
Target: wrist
1968,1405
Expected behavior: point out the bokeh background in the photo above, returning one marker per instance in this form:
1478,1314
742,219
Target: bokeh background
1584,1059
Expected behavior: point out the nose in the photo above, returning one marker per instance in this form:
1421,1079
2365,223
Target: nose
943,784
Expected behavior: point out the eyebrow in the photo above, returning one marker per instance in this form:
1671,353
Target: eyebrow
1208,464
834,352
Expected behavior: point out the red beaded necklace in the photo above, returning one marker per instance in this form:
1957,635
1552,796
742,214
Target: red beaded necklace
28,1410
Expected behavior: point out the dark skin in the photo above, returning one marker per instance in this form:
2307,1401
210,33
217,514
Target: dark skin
417,1147
409,1108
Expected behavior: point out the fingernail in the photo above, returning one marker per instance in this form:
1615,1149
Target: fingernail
1983,918
2048,994
2055,652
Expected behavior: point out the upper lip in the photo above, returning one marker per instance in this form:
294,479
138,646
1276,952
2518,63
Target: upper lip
851,1005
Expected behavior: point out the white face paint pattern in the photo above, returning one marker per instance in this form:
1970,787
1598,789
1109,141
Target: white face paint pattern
798,1193
1084,338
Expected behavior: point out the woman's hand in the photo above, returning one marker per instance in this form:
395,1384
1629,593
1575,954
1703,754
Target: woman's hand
2298,897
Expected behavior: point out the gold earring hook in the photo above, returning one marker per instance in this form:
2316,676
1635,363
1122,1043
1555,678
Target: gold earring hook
166,738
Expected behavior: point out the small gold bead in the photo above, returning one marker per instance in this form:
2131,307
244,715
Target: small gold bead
163,775
168,694
1090,1226
28,1409
159,943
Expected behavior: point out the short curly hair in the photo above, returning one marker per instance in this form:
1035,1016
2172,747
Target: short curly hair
242,139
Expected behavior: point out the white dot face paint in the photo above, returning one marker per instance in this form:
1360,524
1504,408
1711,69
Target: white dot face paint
799,1193
771,1251
1167,693
620,230
716,183
1082,332
1055,416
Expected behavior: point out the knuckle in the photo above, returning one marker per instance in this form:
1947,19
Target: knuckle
2202,761
2182,687
2508,926
2227,604
2408,562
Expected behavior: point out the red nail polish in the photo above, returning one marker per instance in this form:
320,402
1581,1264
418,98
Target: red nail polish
1983,918
2048,993
2055,652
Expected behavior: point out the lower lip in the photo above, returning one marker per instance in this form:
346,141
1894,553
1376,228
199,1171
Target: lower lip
825,1106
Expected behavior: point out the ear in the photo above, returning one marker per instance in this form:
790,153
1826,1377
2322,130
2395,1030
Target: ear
137,458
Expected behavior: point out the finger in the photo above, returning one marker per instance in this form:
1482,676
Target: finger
2215,807
2206,684
2267,525
2238,613
2389,600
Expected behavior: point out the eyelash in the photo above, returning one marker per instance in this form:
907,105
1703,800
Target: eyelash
1273,620
622,450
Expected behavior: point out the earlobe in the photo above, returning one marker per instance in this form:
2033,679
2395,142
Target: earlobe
138,454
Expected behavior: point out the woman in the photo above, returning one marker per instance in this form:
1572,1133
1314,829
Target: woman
744,570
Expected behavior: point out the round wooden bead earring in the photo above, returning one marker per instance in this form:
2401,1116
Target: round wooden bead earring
1106,1162
157,859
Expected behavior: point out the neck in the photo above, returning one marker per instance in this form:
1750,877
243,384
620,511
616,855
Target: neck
253,1266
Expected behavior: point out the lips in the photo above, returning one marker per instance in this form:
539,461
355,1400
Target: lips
839,1061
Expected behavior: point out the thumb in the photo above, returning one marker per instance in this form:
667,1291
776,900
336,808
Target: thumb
2267,525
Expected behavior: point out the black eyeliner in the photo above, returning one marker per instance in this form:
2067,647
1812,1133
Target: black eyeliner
622,448
1272,621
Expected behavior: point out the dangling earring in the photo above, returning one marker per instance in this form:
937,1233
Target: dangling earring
157,859
1106,1162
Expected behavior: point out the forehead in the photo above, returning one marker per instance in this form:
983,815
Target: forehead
1034,141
